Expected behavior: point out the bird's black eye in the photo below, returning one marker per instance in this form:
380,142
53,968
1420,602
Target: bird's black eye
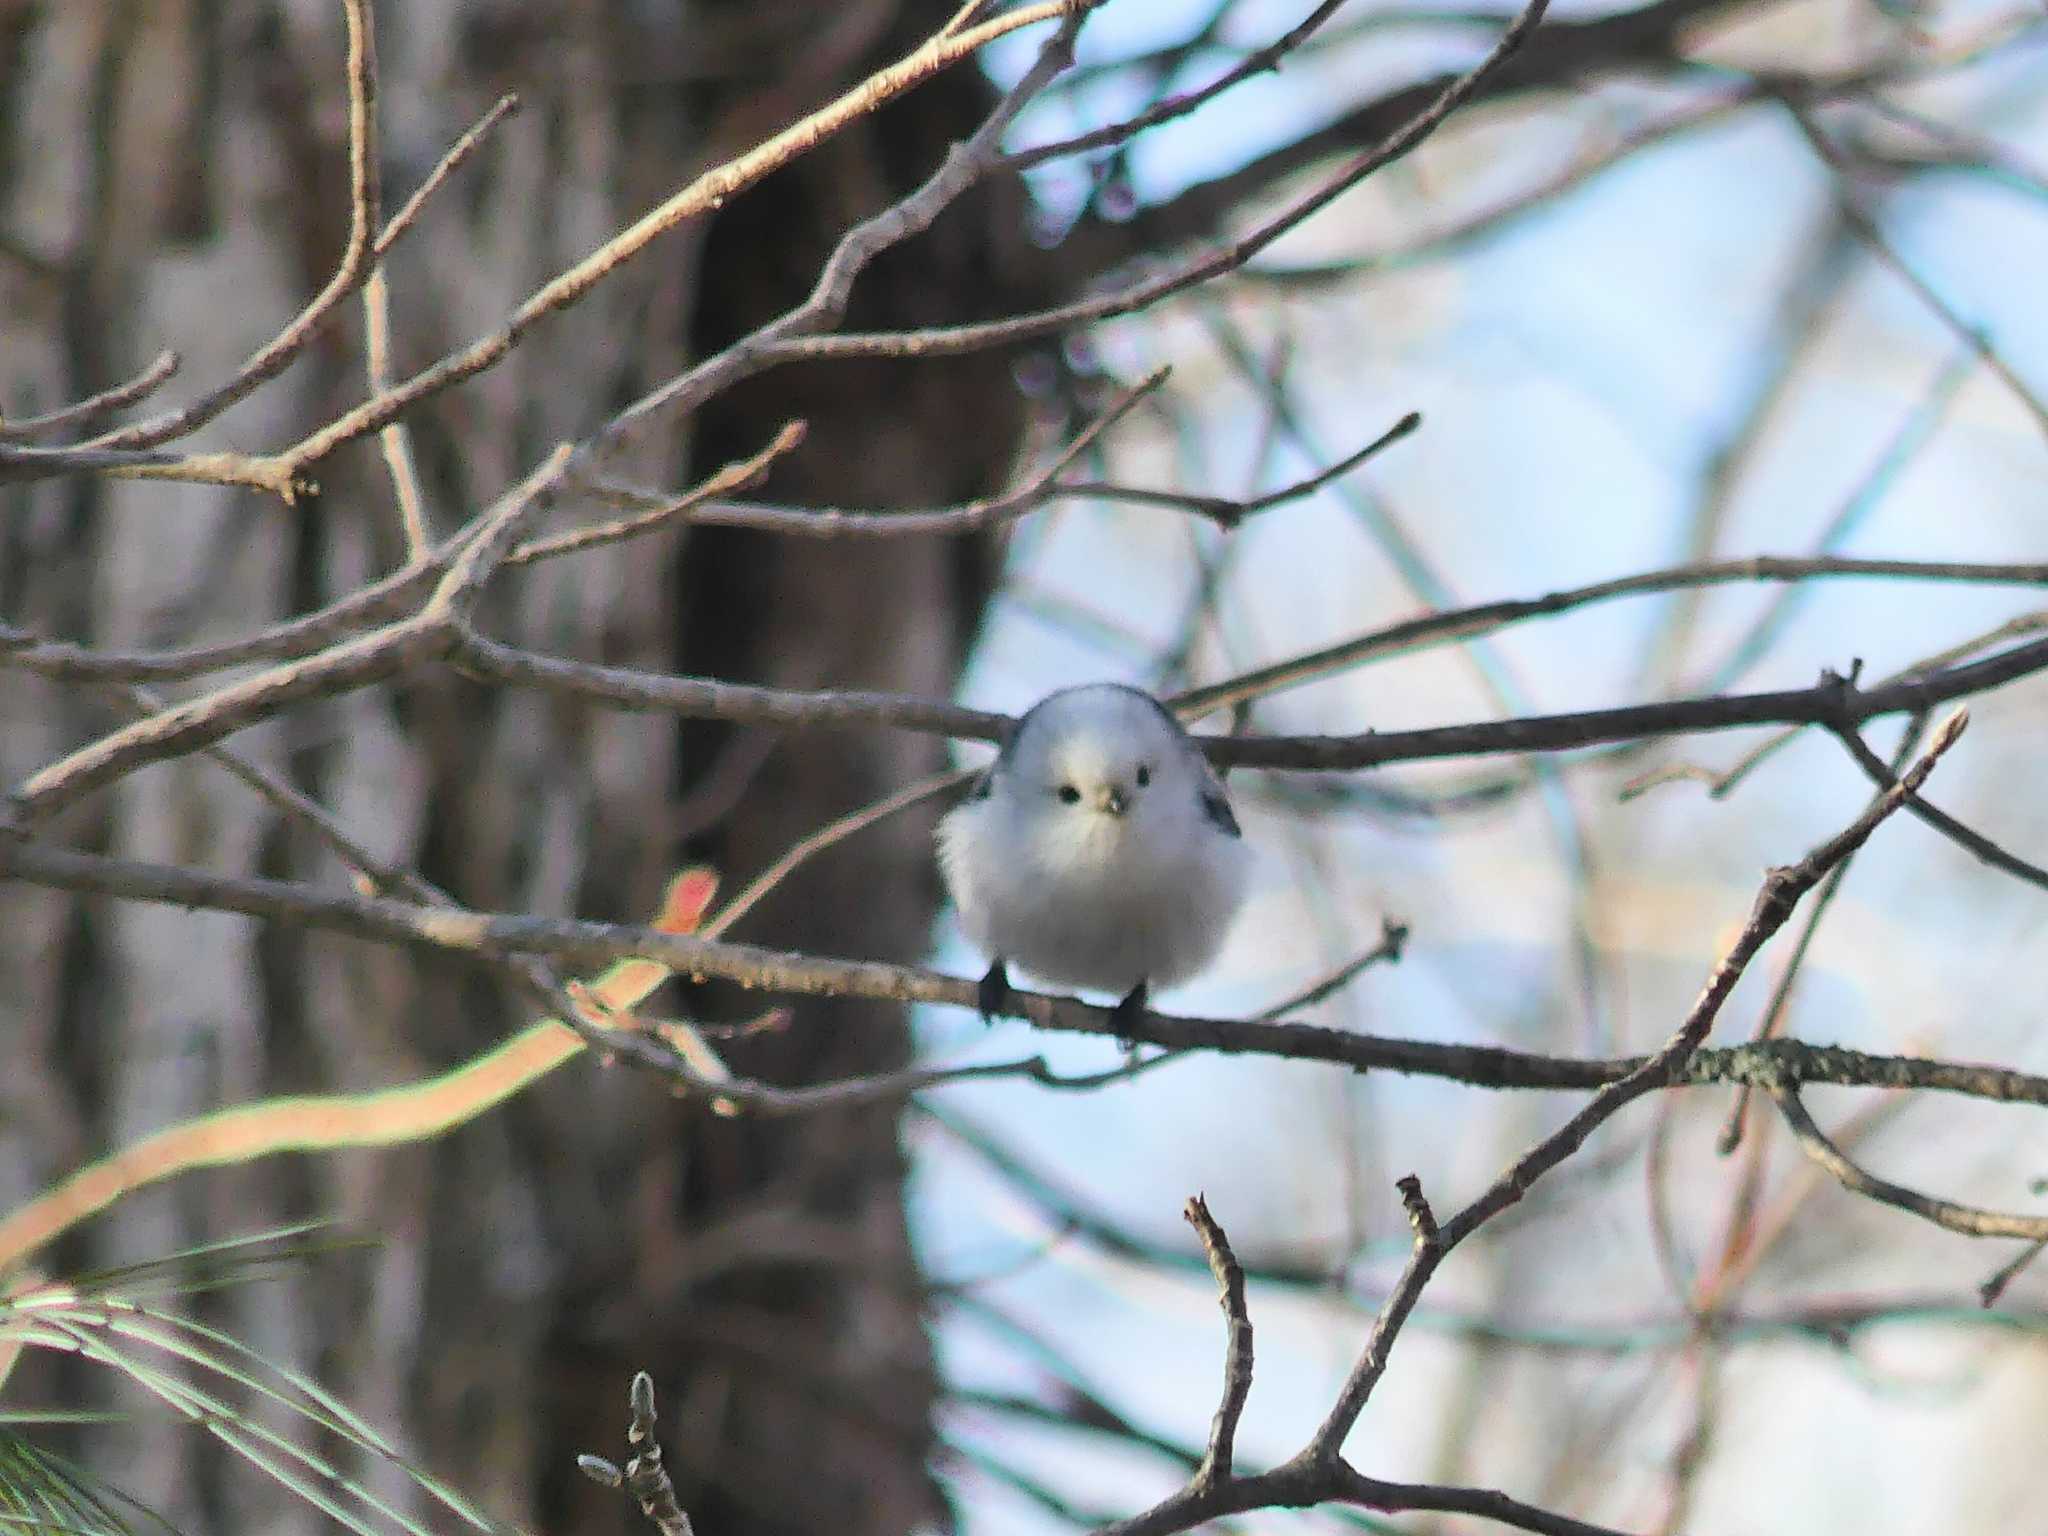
1144,774
1070,795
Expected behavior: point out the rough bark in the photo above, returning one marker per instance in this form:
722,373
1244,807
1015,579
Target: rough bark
172,173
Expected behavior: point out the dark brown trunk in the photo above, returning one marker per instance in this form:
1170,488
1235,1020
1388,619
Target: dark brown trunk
174,175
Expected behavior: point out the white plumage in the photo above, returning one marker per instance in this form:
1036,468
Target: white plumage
1099,851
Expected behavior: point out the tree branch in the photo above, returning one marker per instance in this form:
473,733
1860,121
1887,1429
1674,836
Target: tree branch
1969,1220
1237,1355
66,418
1319,1473
495,936
351,273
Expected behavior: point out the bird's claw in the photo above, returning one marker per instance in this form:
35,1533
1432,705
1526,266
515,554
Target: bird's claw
1126,1014
993,995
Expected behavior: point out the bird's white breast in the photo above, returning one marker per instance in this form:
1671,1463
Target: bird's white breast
1088,900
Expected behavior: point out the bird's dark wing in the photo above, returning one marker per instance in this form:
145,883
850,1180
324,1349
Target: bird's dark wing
1006,749
1216,806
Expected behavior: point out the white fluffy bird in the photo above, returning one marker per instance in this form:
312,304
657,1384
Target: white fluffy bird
1098,851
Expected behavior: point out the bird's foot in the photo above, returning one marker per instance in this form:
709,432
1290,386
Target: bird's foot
1126,1014
993,995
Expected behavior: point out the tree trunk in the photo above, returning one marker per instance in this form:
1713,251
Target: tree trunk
174,174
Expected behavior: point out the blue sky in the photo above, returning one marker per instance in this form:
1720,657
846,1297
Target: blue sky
1577,373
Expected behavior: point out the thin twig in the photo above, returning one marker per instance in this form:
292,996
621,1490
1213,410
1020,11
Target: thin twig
222,468
1965,837
708,192
1237,1354
1724,782
1969,1220
1832,701
1428,1246
967,163
455,595
394,440
349,275
740,475
967,517
1782,890
1231,510
341,667
23,429
830,835
1393,943
1265,60
372,872
1458,624
446,166
1873,237
1770,1022
644,1476
1994,1287
1192,271
1859,81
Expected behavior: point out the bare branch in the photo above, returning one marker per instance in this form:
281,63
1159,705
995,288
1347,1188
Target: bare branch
1265,60
79,413
1437,1498
375,873
352,272
456,593
1989,1292
1486,618
1781,893
491,936
200,722
1967,838
658,512
1393,943
969,517
1192,271
447,166
1722,783
1231,510
631,688
1830,702
827,836
1425,1253
1237,1355
338,669
1771,1020
644,1477
1872,236
1966,1219
707,192
969,161
223,468
394,440
390,595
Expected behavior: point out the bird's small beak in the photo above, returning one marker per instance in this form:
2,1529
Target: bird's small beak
1113,800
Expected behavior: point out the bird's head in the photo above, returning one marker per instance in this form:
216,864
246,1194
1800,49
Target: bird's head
1102,757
